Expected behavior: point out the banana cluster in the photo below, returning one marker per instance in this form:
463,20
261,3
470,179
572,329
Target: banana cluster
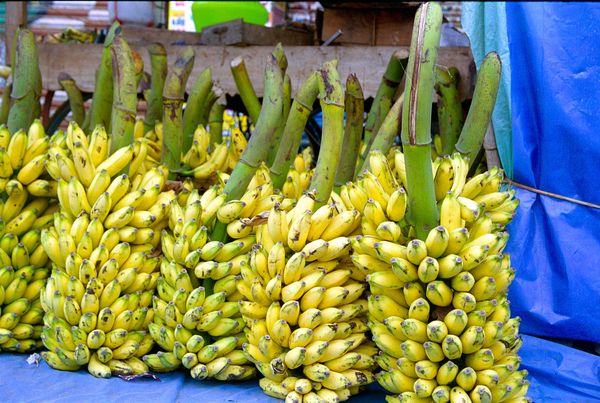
103,244
210,161
299,175
147,145
197,321
304,307
23,274
438,308
22,159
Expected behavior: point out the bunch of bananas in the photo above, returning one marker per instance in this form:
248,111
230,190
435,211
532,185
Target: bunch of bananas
304,306
299,175
103,245
438,308
24,211
198,325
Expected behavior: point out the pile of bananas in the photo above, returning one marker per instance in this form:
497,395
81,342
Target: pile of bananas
438,308
25,211
304,306
197,326
103,244
299,175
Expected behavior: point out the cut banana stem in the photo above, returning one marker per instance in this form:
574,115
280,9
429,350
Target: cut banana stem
100,111
332,104
354,105
294,127
385,94
215,122
416,119
449,107
195,105
124,95
158,64
75,98
25,73
287,100
482,106
173,97
245,88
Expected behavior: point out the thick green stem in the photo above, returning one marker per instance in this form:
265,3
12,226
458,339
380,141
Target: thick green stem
215,122
256,152
5,107
158,63
294,127
482,106
385,94
138,64
100,111
211,98
385,138
245,88
355,106
124,95
75,98
282,61
173,98
331,97
416,118
449,107
194,106
25,72
287,101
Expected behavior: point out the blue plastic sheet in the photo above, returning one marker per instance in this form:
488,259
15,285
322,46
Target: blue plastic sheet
557,374
555,244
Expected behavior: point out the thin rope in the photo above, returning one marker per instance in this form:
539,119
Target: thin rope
556,196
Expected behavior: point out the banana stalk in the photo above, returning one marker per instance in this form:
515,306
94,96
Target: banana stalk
138,64
173,97
124,95
215,122
282,61
5,106
332,103
416,118
158,63
482,105
194,106
386,135
25,73
287,101
354,104
255,152
385,93
214,94
100,111
75,98
245,88
449,107
294,127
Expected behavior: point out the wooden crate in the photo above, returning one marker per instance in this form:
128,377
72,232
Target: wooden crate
372,24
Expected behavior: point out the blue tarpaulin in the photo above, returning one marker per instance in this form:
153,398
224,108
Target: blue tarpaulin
555,244
557,374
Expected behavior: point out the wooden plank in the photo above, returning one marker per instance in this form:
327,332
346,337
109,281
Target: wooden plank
367,62
16,16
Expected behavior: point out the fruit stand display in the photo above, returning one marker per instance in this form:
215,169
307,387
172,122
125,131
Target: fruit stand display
154,246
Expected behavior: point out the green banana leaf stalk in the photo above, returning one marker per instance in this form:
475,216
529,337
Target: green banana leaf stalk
195,106
449,107
158,64
245,88
215,122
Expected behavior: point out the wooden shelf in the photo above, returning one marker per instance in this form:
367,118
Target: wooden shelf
367,62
